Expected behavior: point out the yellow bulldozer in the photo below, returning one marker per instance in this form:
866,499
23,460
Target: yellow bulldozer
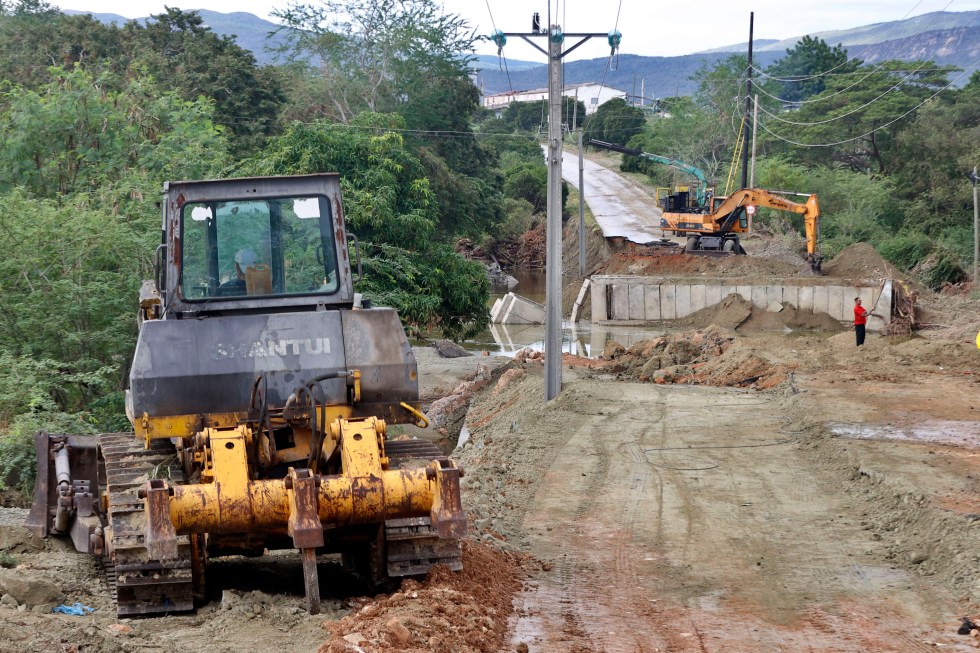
260,394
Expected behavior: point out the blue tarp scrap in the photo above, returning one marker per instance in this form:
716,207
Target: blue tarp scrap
76,609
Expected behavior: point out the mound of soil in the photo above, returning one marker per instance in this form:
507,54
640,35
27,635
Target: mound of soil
645,260
450,612
735,312
861,261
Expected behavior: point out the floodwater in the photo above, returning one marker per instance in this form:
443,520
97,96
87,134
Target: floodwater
580,338
955,432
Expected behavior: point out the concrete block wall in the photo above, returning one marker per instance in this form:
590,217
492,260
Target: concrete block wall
633,300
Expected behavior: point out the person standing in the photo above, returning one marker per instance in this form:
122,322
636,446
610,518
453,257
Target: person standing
860,321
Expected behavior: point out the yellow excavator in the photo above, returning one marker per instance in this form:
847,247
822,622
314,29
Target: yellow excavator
714,227
260,394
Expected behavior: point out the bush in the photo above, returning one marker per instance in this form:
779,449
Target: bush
18,465
906,249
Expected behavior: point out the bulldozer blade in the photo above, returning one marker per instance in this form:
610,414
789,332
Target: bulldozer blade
83,466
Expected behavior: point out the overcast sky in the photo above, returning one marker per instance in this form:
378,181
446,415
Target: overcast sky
648,27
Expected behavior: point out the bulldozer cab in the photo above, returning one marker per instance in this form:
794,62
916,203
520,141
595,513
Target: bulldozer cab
254,243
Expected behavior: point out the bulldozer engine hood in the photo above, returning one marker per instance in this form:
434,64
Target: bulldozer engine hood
210,366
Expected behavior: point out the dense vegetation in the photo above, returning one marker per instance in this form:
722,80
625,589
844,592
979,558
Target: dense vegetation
886,147
94,117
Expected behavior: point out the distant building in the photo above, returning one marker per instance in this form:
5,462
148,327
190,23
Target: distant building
590,94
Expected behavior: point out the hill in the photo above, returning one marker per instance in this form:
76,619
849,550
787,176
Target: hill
922,37
870,34
250,31
667,76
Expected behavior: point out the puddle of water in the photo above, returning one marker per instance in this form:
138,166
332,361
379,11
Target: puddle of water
582,338
958,432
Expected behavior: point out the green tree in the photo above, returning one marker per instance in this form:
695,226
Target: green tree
855,124
390,206
78,234
183,54
804,69
615,122
377,54
75,135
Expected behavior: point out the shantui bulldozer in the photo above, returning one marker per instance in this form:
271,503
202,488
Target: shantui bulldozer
260,394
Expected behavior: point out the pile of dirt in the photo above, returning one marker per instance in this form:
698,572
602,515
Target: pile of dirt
861,261
694,358
644,260
735,312
464,612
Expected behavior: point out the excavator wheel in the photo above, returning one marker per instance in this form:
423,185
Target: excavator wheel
730,246
692,244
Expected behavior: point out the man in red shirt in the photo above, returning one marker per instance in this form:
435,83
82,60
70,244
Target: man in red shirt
860,321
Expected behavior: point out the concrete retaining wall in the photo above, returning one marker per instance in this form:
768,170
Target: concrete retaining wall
633,300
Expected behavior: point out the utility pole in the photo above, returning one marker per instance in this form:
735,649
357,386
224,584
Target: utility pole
976,227
748,107
581,206
553,316
755,120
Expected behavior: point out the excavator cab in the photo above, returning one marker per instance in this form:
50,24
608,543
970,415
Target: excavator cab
260,393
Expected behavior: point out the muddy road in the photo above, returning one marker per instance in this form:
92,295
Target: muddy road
673,518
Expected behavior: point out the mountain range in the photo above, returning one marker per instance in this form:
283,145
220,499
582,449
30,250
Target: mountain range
951,38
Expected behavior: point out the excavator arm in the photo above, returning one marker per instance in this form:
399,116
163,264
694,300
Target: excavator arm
695,172
810,210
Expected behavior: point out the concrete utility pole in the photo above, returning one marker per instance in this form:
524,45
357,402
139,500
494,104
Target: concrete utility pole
976,226
553,317
755,120
748,107
581,207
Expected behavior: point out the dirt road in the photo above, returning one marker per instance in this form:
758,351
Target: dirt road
703,519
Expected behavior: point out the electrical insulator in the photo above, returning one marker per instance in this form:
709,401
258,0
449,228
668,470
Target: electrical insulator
557,36
536,23
499,38
615,38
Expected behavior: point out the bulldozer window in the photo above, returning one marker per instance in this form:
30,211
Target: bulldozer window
267,247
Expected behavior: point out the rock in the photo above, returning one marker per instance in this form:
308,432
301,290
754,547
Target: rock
228,600
355,638
30,591
522,648
449,349
650,368
399,634
17,539
8,601
918,557
613,350
683,351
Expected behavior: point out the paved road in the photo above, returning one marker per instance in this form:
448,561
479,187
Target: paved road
622,207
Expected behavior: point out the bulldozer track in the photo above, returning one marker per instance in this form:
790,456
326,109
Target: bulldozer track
139,584
412,545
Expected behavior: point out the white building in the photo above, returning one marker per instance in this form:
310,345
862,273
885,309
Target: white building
590,94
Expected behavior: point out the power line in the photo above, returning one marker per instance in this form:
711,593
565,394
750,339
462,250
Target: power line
588,118
821,97
877,68
867,104
866,134
500,51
